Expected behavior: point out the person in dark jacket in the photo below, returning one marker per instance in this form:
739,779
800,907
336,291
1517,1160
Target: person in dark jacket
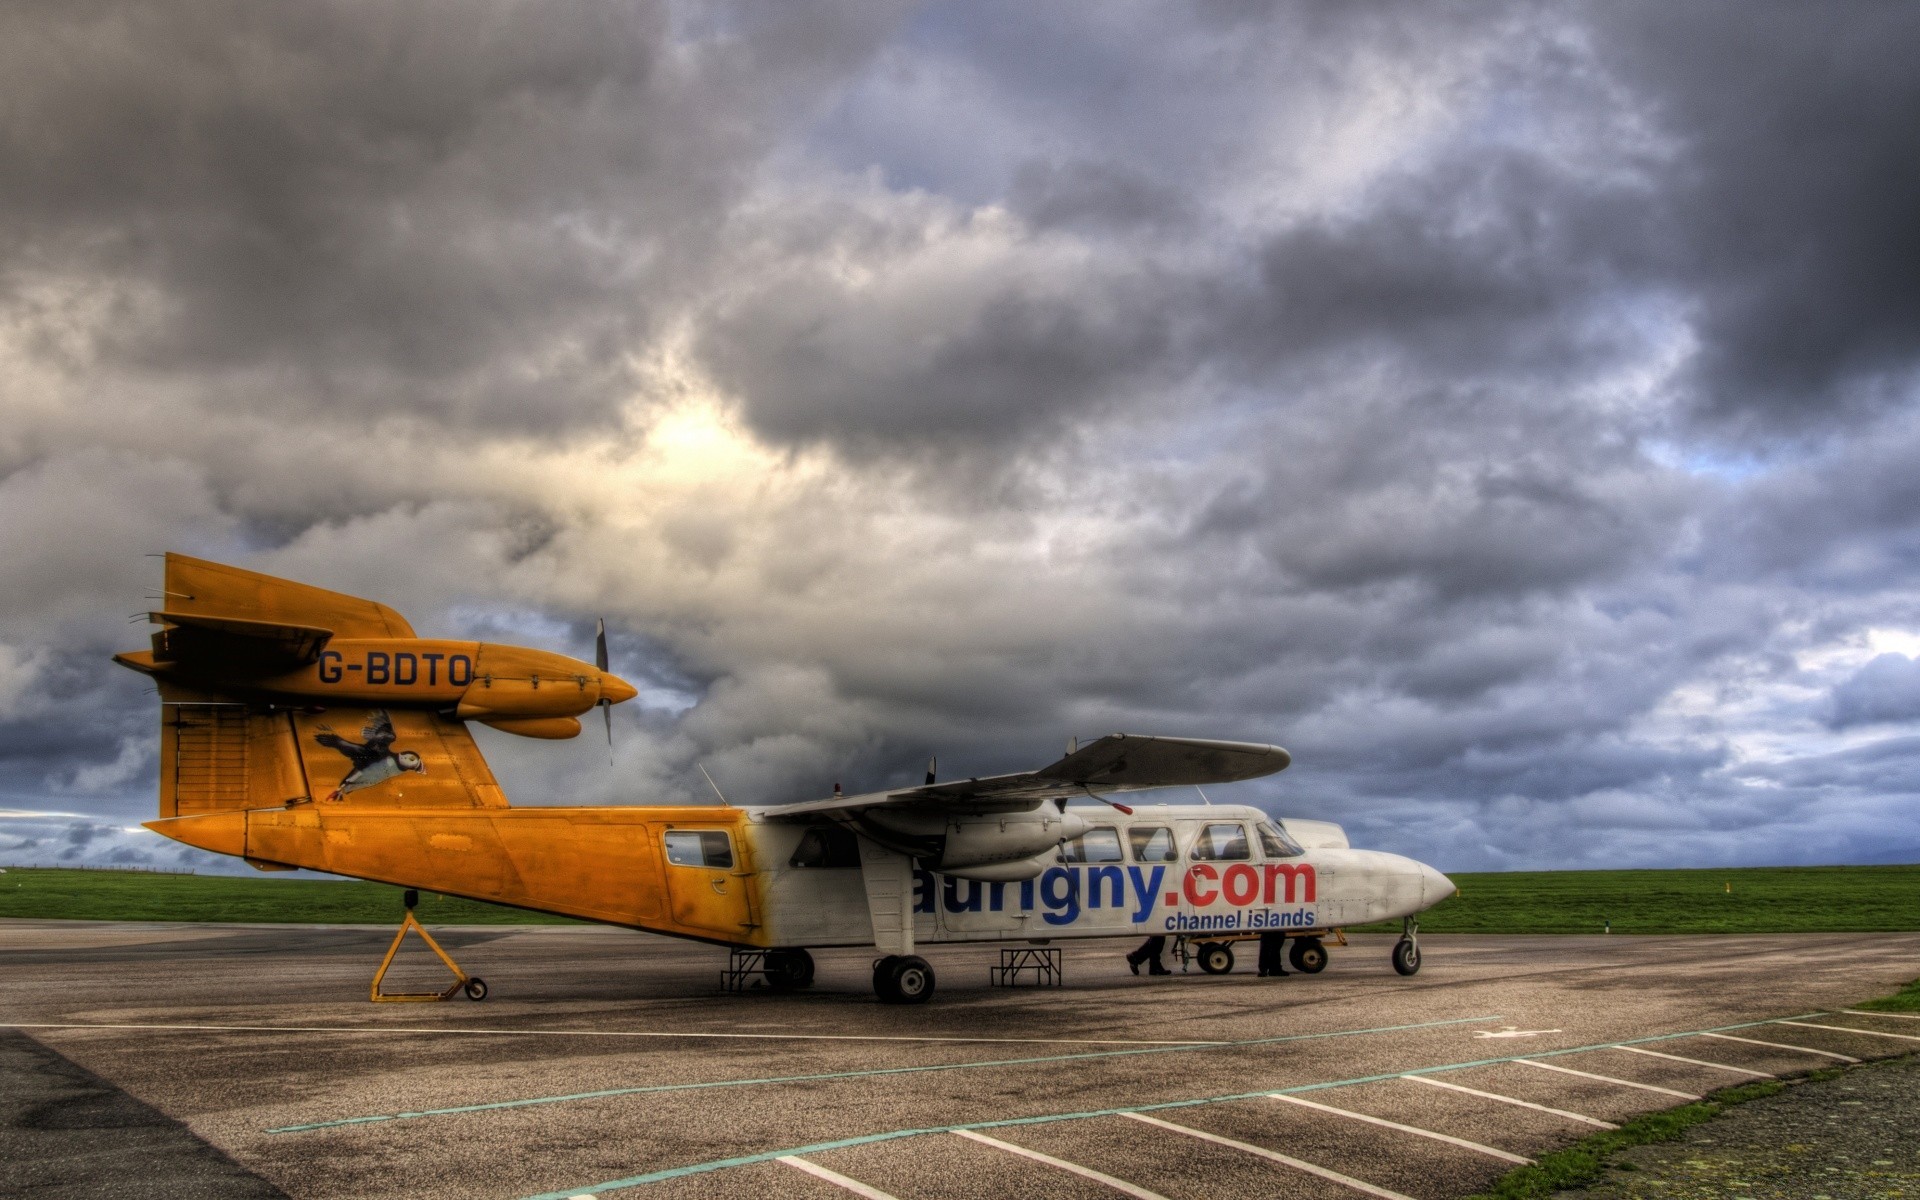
1149,953
1273,951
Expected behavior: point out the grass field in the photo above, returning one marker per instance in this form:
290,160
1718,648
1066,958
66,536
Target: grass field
145,896
1745,900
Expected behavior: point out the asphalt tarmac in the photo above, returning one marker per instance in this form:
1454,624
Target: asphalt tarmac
612,1062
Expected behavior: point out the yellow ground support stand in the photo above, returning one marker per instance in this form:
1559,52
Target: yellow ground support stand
473,985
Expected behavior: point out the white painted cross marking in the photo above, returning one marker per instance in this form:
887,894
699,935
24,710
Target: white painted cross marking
1647,1087
1413,1129
1905,1037
1118,1185
1698,1062
1727,1037
1512,1031
1357,1185
1515,1101
833,1177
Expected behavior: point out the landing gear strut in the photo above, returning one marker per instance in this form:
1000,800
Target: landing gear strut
903,979
1307,955
474,986
1406,951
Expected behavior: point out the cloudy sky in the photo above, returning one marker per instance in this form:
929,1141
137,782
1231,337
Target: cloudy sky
1509,409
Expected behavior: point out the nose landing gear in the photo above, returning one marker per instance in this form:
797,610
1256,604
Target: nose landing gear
1406,951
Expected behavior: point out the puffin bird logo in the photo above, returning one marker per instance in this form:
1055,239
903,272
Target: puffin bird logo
374,760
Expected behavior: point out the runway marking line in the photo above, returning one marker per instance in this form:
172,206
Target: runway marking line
1358,1185
860,1074
1727,1037
870,1139
1513,1100
1647,1087
834,1177
1100,1177
1862,1012
614,1033
1905,1037
1698,1062
1436,1135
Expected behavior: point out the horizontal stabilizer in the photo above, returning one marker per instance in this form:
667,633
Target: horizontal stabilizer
198,588
190,635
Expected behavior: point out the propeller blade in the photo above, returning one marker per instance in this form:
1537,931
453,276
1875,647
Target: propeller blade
600,660
933,765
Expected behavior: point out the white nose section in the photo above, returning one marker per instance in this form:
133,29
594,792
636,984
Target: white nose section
1434,887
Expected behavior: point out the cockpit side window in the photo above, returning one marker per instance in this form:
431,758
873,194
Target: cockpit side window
1276,843
1152,844
1098,845
1221,841
699,848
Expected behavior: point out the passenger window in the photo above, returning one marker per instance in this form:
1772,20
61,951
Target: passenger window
1152,844
699,848
827,846
1221,842
1276,843
1099,845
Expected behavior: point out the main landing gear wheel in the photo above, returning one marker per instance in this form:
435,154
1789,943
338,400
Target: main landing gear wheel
1307,955
475,988
1406,956
903,979
1216,958
789,970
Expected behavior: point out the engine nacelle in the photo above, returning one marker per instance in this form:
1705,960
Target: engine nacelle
964,846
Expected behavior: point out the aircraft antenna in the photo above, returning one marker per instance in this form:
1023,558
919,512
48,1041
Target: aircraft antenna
712,784
1203,795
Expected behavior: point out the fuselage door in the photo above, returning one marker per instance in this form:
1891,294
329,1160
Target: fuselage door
709,884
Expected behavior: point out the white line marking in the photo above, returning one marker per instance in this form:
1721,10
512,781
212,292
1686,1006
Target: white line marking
1648,1087
1118,1185
1861,1012
1558,1112
1905,1037
1413,1129
1727,1037
833,1177
1698,1062
615,1033
1263,1152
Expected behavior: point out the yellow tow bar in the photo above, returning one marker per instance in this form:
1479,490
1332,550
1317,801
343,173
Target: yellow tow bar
473,985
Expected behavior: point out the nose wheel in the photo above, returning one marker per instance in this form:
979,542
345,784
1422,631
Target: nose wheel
1406,951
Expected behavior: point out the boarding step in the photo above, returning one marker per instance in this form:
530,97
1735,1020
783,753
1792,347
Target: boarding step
745,969
1043,962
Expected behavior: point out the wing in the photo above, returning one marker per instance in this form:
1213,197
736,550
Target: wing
379,734
1120,762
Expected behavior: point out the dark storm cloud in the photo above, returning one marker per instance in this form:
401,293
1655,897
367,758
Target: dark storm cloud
1356,378
1886,689
439,207
1793,190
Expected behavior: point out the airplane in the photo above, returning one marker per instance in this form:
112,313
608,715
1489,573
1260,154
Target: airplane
307,729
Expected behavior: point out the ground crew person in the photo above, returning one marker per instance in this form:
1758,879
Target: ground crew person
1273,947
1149,953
